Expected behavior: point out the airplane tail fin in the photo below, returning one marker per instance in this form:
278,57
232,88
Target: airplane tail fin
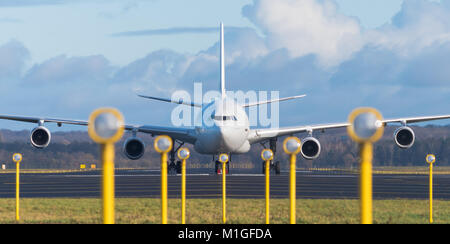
222,62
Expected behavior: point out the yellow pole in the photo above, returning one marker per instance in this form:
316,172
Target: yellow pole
17,190
431,193
183,191
99,130
366,151
108,183
224,194
366,127
164,188
267,190
292,193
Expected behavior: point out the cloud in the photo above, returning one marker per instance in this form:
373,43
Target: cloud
241,46
174,70
168,31
63,69
412,50
370,65
419,25
160,70
431,69
306,27
306,46
13,57
177,31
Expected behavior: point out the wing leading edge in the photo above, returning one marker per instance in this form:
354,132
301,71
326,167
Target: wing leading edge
259,135
182,134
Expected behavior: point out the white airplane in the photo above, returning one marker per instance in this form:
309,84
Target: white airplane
230,131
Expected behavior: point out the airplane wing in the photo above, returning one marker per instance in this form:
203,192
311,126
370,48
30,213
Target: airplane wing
43,120
258,135
183,134
415,119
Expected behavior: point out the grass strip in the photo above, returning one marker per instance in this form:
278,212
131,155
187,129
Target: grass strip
208,211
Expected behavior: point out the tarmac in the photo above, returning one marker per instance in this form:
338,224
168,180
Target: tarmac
146,184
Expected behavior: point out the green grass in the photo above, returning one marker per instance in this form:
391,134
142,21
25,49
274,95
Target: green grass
246,211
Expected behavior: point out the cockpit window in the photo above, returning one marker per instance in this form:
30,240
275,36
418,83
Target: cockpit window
223,118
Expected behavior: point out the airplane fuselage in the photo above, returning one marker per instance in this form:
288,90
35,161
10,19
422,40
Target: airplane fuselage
224,129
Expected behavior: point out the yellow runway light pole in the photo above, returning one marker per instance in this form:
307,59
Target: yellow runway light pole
292,146
163,145
223,158
430,160
183,154
267,155
106,127
366,127
17,158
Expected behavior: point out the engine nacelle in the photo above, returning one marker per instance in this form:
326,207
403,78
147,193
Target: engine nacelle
404,137
134,148
40,137
310,148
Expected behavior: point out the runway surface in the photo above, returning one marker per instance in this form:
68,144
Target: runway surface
146,183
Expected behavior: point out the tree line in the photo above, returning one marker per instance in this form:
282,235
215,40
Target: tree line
70,149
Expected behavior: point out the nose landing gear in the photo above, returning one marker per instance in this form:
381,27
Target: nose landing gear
218,166
174,168
275,166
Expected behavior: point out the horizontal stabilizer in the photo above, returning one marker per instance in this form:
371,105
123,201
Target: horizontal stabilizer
272,101
172,101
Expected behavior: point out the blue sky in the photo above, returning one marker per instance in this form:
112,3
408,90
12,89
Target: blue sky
65,58
78,28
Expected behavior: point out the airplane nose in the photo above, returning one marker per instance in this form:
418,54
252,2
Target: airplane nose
230,138
223,132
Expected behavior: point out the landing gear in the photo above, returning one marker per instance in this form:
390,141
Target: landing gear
218,167
178,167
277,168
174,168
274,165
171,168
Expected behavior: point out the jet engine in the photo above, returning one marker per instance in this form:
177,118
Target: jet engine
134,148
40,137
404,137
310,148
